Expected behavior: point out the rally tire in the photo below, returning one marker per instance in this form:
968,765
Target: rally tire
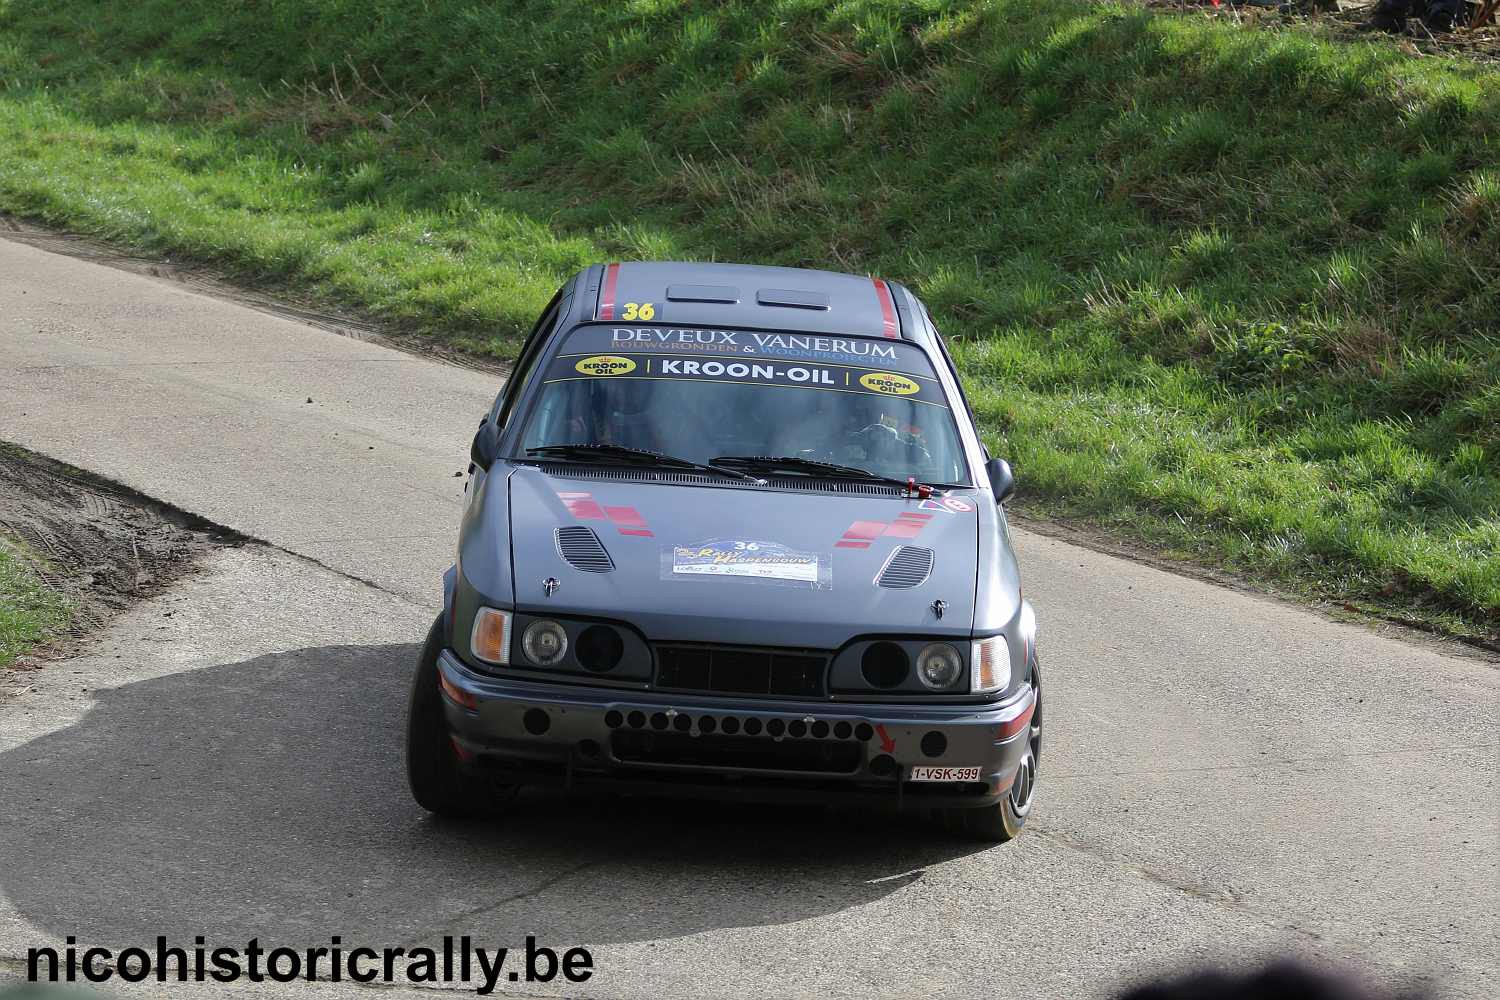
437,781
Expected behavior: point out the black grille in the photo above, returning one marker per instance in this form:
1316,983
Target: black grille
908,566
740,671
581,548
817,756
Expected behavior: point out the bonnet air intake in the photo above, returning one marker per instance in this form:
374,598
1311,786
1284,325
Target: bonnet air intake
581,549
907,567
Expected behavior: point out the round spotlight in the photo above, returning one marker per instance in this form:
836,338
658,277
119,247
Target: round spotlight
939,666
544,643
884,664
599,648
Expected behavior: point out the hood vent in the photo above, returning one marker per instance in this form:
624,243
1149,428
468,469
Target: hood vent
581,549
908,566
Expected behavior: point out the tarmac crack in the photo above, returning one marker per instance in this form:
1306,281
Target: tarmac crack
449,926
1230,899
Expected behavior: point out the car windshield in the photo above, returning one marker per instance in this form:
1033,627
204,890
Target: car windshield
702,395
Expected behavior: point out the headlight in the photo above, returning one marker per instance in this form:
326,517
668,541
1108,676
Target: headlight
991,659
939,666
544,643
490,639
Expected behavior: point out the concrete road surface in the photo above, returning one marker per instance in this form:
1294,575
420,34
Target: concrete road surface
1225,777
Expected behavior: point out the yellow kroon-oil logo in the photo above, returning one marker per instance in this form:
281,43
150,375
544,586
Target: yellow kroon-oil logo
605,364
889,382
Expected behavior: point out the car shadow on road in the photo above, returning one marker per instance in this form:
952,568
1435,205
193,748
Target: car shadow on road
268,797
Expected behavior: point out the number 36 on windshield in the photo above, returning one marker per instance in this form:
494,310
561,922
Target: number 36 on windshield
638,310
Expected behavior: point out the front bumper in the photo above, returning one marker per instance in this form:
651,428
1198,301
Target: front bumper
530,732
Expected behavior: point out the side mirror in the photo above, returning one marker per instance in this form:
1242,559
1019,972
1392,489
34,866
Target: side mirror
486,445
1002,480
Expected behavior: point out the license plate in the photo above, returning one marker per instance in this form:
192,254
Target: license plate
924,773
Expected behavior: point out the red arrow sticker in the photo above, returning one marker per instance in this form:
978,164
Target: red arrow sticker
886,743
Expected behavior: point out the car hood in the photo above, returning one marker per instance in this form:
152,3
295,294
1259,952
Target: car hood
723,563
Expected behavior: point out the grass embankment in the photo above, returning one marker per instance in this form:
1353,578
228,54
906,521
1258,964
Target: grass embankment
29,612
1237,292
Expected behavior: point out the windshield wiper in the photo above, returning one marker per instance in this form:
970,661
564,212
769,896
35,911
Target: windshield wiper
635,456
812,467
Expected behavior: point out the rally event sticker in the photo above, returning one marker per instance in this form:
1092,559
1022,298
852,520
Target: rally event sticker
748,559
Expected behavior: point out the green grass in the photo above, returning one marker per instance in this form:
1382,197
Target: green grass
29,612
1237,292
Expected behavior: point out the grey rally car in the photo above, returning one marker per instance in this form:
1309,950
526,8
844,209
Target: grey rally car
730,531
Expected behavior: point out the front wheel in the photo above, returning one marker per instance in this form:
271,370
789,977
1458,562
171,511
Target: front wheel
1003,820
437,781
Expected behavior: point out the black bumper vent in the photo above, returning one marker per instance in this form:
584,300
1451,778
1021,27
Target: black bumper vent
733,670
682,750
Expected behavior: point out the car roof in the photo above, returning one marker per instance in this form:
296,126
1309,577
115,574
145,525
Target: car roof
752,296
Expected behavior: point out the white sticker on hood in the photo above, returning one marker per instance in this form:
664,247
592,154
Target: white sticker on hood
748,559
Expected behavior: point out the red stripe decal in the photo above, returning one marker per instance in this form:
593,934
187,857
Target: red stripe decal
585,510
626,516
628,521
887,309
607,296
907,524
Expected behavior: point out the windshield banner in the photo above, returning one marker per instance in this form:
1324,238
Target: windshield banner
753,371
864,352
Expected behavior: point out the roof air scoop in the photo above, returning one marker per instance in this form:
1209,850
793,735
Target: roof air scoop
792,298
907,567
581,549
703,293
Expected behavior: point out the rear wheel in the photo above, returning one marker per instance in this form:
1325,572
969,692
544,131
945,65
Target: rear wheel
437,781
1003,821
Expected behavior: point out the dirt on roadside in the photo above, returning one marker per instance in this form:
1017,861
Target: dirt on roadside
102,546
1480,44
